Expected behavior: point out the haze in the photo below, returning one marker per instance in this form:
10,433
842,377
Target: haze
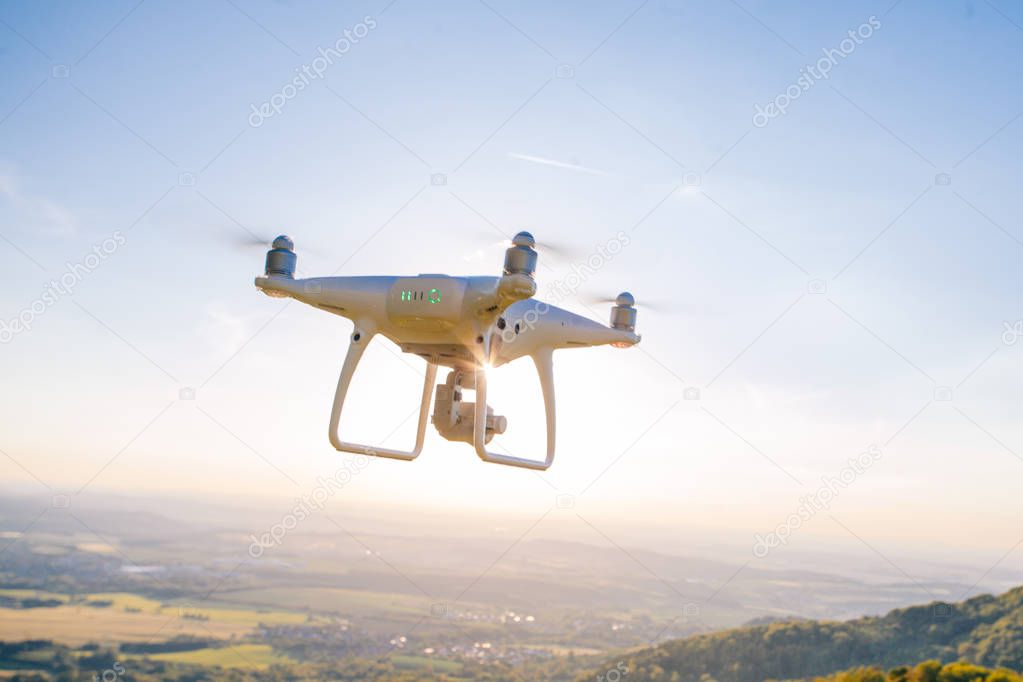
844,277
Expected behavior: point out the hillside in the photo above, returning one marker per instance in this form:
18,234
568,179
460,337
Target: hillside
928,671
985,630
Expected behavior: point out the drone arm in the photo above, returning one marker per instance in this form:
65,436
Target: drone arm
360,340
543,358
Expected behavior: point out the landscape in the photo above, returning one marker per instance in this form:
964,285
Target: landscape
148,596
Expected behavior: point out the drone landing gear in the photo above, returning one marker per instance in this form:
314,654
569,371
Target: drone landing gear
473,423
544,361
361,339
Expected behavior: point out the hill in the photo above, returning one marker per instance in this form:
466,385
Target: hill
985,630
928,671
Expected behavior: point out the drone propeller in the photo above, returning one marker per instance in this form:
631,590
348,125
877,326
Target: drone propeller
240,237
560,250
249,240
487,244
592,299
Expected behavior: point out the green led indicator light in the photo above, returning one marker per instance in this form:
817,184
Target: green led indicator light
433,295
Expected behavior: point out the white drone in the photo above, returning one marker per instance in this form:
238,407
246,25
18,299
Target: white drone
465,323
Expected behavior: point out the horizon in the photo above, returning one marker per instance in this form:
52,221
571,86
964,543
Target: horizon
833,271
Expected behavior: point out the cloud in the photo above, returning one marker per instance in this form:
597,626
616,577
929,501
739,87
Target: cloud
223,330
35,212
557,164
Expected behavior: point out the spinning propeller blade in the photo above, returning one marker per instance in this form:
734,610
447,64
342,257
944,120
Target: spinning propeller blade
656,306
246,239
487,242
249,240
594,299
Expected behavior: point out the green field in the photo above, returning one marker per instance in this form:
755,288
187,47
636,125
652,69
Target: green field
330,600
421,662
129,618
246,656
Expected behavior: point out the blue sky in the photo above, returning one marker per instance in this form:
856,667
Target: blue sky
819,283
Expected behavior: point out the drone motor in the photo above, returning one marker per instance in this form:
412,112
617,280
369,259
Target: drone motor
623,314
520,258
281,259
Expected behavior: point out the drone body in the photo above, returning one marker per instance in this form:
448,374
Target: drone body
463,323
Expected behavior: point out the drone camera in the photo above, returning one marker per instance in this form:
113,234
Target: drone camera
454,418
281,259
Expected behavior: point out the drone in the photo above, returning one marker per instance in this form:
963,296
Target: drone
465,324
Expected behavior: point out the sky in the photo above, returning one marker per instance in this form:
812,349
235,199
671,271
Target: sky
822,209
